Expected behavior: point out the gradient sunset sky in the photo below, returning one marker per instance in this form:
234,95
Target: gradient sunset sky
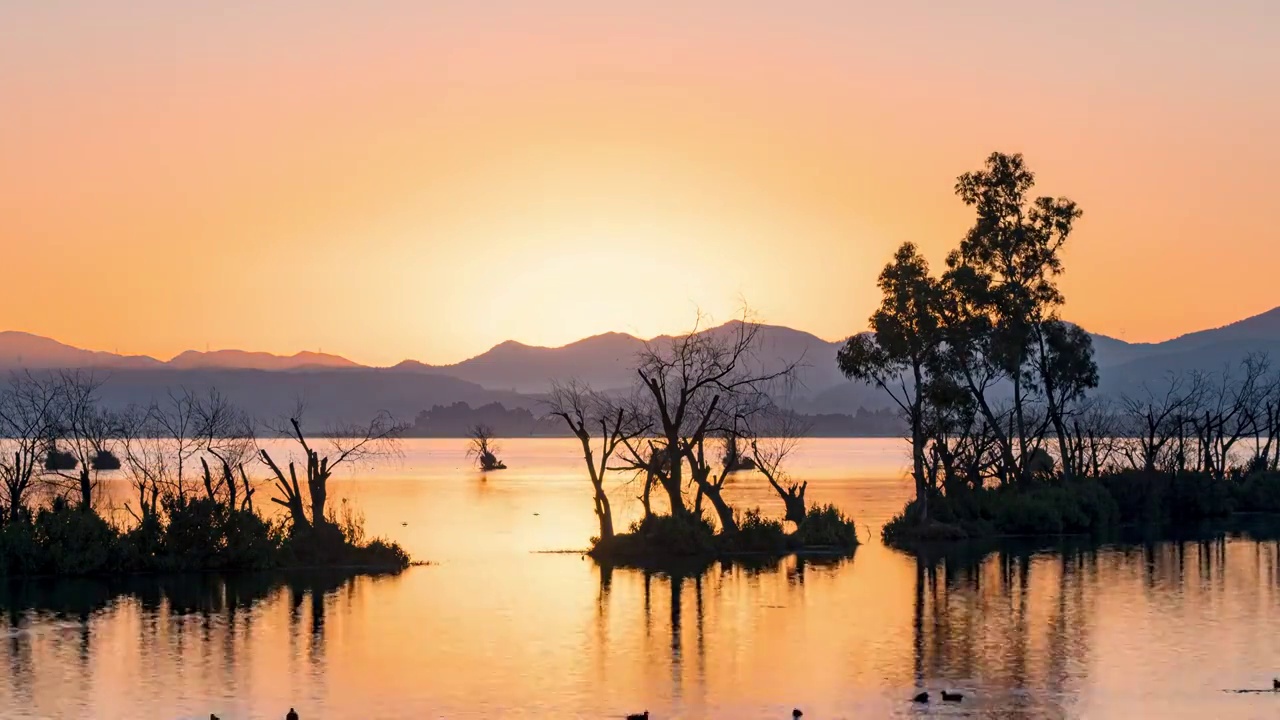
386,180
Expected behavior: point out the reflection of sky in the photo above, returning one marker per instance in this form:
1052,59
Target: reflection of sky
410,153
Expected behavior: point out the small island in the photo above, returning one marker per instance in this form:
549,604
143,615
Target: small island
696,401
484,449
190,462
1007,435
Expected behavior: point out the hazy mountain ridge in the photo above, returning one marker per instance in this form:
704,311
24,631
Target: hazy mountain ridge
515,374
245,360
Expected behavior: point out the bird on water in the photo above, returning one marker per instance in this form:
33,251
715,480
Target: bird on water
1275,683
293,715
639,716
796,713
952,697
921,698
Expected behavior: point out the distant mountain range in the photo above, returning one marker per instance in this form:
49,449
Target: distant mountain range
515,374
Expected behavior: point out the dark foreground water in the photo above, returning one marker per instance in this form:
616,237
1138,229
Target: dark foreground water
498,628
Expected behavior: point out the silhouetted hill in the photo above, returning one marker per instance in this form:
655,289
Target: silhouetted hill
1263,328
244,360
514,373
605,361
20,350
608,361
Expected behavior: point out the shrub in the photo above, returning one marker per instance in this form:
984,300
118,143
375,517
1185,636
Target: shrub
1034,508
826,526
905,528
74,541
658,537
383,554
756,534
1258,492
19,550
190,534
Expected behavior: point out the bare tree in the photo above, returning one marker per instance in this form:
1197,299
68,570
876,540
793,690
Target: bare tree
174,423
88,431
164,441
146,462
1230,412
697,386
1154,419
774,437
28,409
1265,416
484,449
613,424
342,445
226,433
1091,438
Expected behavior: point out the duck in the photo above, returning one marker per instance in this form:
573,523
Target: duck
293,715
213,717
796,713
921,698
952,697
639,716
1275,683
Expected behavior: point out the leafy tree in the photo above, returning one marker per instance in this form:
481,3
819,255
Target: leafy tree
1064,363
1002,293
902,348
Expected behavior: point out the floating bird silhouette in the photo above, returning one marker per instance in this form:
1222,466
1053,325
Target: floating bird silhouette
796,713
213,717
922,698
639,716
952,697
1275,683
293,715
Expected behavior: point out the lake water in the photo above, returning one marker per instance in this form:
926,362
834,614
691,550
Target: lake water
498,628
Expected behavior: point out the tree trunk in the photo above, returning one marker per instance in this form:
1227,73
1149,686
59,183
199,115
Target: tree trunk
86,489
644,495
917,463
1020,467
603,512
728,523
794,503
317,483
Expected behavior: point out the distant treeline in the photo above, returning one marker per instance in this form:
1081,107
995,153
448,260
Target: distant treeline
459,419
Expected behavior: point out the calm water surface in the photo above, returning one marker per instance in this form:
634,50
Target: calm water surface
497,627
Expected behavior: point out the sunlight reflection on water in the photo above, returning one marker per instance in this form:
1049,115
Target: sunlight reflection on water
497,629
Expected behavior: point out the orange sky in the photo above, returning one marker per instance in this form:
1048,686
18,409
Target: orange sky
401,179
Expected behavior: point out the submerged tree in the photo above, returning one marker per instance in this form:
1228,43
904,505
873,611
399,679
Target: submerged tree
484,449
602,426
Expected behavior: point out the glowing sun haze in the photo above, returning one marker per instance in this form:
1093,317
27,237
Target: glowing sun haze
389,179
